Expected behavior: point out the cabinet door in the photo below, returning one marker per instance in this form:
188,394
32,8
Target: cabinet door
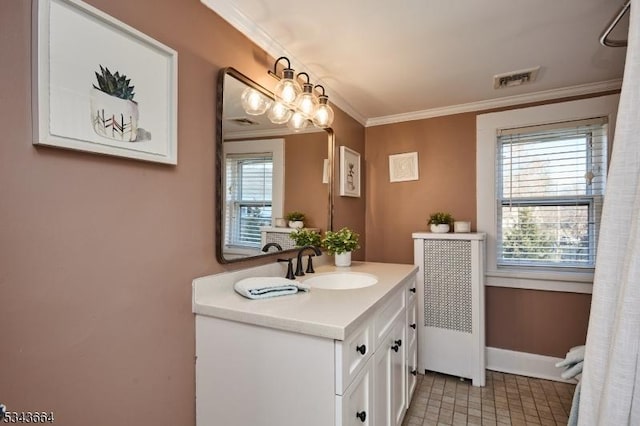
390,376
355,407
412,351
412,371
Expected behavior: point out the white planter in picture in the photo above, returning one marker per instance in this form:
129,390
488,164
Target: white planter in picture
296,224
441,228
112,117
343,259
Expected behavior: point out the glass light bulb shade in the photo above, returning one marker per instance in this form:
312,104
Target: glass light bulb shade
287,91
254,102
323,117
279,113
307,103
297,122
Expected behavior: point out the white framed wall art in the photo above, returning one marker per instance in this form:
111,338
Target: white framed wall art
349,172
403,167
100,85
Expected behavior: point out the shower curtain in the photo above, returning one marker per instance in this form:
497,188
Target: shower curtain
611,381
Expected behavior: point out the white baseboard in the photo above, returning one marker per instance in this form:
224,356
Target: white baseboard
525,364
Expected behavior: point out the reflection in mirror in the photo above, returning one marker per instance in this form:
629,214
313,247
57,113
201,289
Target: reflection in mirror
263,172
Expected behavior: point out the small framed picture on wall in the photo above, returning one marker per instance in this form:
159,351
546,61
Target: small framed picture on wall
403,167
349,172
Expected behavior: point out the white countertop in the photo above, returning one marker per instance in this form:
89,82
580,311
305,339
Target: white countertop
324,313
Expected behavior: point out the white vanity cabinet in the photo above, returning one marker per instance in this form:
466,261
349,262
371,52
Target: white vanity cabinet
250,374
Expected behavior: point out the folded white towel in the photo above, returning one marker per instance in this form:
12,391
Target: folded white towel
265,287
574,356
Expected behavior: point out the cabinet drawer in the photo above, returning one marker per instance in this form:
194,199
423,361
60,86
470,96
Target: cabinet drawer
355,407
387,314
352,354
412,325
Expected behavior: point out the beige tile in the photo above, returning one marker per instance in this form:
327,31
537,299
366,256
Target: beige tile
445,417
475,412
532,419
474,420
459,419
503,420
412,420
432,416
506,399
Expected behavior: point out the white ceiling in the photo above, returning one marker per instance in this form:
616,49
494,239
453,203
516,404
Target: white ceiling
384,61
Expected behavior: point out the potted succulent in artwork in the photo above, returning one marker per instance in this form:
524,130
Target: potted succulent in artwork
340,244
440,222
296,219
306,237
114,113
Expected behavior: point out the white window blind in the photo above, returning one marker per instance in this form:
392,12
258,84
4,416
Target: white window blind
249,184
550,189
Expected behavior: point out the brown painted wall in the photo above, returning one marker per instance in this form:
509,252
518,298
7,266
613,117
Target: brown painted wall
350,211
446,157
540,322
305,192
97,253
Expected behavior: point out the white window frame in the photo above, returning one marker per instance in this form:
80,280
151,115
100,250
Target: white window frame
276,148
487,127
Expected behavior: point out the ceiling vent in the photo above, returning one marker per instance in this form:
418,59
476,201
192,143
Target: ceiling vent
515,78
243,121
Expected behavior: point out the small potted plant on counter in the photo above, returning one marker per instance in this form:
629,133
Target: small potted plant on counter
341,244
440,222
295,219
306,237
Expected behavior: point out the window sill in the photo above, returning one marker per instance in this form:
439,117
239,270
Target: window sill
567,282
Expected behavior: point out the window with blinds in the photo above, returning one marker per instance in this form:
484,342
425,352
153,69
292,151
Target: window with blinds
550,188
249,184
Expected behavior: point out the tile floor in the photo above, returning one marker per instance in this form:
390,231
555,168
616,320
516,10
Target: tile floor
506,399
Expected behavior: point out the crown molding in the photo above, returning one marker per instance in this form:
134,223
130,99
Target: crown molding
256,34
545,95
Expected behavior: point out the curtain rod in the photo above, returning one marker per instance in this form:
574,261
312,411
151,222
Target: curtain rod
603,37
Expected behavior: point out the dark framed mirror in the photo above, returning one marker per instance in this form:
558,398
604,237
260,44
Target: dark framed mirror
263,171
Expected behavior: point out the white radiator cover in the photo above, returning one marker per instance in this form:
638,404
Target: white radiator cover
450,293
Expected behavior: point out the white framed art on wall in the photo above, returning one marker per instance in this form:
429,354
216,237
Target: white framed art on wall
349,172
100,85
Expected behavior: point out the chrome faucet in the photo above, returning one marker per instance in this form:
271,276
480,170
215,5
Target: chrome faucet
316,251
269,245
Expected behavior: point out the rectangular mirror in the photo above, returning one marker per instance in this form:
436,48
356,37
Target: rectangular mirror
264,171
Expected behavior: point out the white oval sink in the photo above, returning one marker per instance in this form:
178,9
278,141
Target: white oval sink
341,280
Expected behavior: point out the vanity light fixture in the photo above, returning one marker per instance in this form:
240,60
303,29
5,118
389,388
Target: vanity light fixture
279,113
306,102
293,105
288,88
254,102
323,116
298,122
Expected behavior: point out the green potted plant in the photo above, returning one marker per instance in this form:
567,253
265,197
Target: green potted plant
340,244
440,222
306,237
296,219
